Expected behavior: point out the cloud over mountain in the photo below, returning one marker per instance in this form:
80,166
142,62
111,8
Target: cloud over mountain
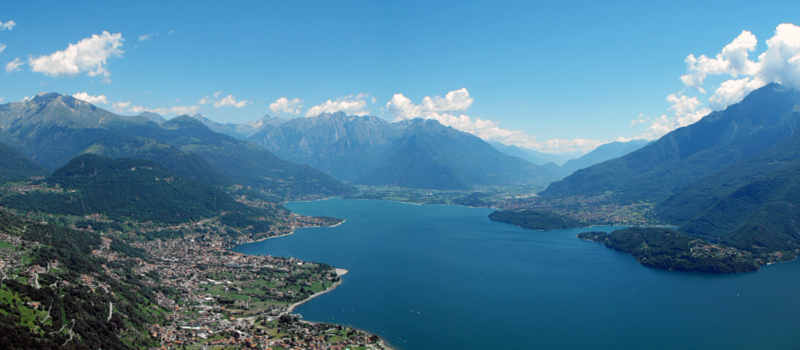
89,55
779,63
444,110
352,104
283,104
91,99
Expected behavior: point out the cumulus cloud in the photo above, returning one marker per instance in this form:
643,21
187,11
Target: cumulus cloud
731,60
91,99
14,65
353,105
120,107
227,101
89,55
733,91
2,48
779,63
448,110
230,101
687,110
8,25
285,105
641,120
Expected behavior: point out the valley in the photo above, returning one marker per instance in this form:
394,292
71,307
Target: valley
147,210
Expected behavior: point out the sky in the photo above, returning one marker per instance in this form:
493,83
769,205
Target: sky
556,77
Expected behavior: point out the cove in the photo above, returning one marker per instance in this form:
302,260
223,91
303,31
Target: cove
446,277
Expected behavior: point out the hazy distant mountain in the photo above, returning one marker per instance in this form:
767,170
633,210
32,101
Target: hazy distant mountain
764,118
153,117
430,155
238,131
341,145
601,154
370,150
535,157
52,129
246,163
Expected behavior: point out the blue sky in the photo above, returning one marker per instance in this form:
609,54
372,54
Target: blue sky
556,77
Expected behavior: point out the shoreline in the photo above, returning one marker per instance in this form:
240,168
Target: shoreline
339,272
291,232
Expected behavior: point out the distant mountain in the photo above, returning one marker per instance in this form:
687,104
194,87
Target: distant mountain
341,145
15,166
239,131
430,155
535,157
601,154
246,163
763,119
153,117
416,153
733,177
52,129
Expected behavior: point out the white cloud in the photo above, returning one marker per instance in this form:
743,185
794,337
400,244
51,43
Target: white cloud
120,107
733,91
440,108
147,37
91,99
283,104
402,107
89,55
732,60
8,25
230,101
353,105
779,63
687,111
2,48
227,101
179,110
641,120
13,65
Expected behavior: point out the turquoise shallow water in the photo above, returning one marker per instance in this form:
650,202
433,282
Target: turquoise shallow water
446,277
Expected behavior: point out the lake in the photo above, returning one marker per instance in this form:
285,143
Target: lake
446,277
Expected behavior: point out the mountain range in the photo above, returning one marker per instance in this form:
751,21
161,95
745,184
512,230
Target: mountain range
369,150
731,177
51,129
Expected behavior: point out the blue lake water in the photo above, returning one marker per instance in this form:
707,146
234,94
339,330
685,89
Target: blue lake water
446,277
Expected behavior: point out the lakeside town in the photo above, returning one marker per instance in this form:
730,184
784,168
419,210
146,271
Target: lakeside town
212,297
